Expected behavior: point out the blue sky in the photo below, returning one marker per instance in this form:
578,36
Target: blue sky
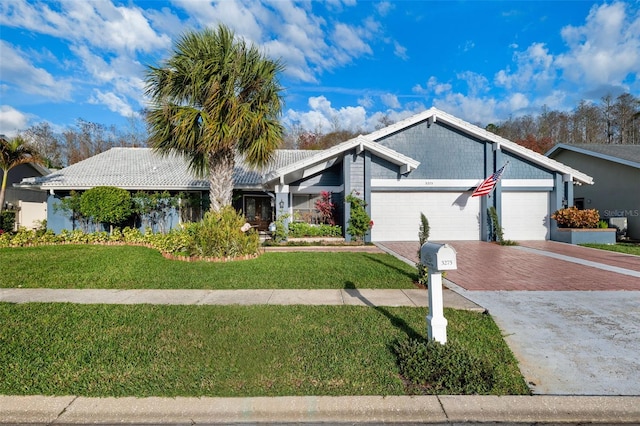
348,63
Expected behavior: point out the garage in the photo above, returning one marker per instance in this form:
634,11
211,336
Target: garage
451,215
525,215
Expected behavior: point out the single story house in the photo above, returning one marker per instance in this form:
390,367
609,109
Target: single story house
30,206
429,163
616,191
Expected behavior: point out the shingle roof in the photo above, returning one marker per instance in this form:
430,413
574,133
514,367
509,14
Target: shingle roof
141,168
623,154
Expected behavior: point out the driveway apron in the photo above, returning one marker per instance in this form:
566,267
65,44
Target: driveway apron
570,314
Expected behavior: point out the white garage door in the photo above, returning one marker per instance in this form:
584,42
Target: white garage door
451,215
525,215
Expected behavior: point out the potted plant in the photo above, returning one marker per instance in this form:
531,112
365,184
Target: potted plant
577,226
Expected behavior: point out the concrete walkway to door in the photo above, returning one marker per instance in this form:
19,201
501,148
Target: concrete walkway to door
570,314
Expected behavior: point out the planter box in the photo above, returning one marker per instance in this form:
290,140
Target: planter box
585,236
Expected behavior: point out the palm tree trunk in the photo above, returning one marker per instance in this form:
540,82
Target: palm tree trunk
3,188
221,165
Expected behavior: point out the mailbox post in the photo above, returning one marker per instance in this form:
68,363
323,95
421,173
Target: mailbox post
437,258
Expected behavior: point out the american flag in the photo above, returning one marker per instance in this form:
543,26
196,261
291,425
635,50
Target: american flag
489,183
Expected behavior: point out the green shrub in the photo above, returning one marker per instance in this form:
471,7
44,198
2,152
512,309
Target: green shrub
176,241
281,230
132,235
5,239
219,235
24,237
7,220
434,369
303,229
106,204
359,221
497,233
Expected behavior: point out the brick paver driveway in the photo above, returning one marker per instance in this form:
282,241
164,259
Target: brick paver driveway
530,266
570,314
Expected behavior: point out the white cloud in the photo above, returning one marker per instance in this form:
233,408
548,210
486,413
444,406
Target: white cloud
433,86
349,39
384,8
112,101
96,23
533,69
366,102
517,102
324,118
606,50
12,121
474,110
400,51
476,83
390,100
18,71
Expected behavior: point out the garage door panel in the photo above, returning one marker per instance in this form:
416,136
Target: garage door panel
451,215
525,215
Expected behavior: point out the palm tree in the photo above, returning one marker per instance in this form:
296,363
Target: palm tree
12,154
215,97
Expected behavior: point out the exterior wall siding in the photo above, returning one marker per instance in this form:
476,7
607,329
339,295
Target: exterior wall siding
519,168
329,177
443,152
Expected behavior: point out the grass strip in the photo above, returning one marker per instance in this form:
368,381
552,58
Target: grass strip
128,267
626,248
123,350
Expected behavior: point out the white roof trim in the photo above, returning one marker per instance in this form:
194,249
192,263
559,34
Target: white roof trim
433,114
326,158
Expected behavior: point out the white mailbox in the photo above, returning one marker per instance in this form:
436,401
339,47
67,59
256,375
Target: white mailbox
439,257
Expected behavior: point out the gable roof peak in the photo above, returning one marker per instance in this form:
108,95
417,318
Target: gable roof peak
433,115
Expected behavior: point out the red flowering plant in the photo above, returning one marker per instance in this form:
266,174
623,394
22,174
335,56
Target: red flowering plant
572,217
325,207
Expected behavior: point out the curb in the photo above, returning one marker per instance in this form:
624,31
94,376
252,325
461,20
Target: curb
448,409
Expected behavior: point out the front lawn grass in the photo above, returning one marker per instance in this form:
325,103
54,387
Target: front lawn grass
153,350
626,248
130,267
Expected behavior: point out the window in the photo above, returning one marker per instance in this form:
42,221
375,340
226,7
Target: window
304,208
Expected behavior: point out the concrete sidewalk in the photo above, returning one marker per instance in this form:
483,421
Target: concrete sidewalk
362,297
440,410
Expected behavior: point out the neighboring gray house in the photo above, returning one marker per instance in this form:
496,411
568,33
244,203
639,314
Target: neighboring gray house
30,206
616,172
429,163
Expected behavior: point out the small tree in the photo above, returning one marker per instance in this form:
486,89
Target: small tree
155,210
423,237
359,221
106,204
71,206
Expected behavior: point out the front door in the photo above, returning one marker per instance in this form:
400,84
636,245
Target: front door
258,211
